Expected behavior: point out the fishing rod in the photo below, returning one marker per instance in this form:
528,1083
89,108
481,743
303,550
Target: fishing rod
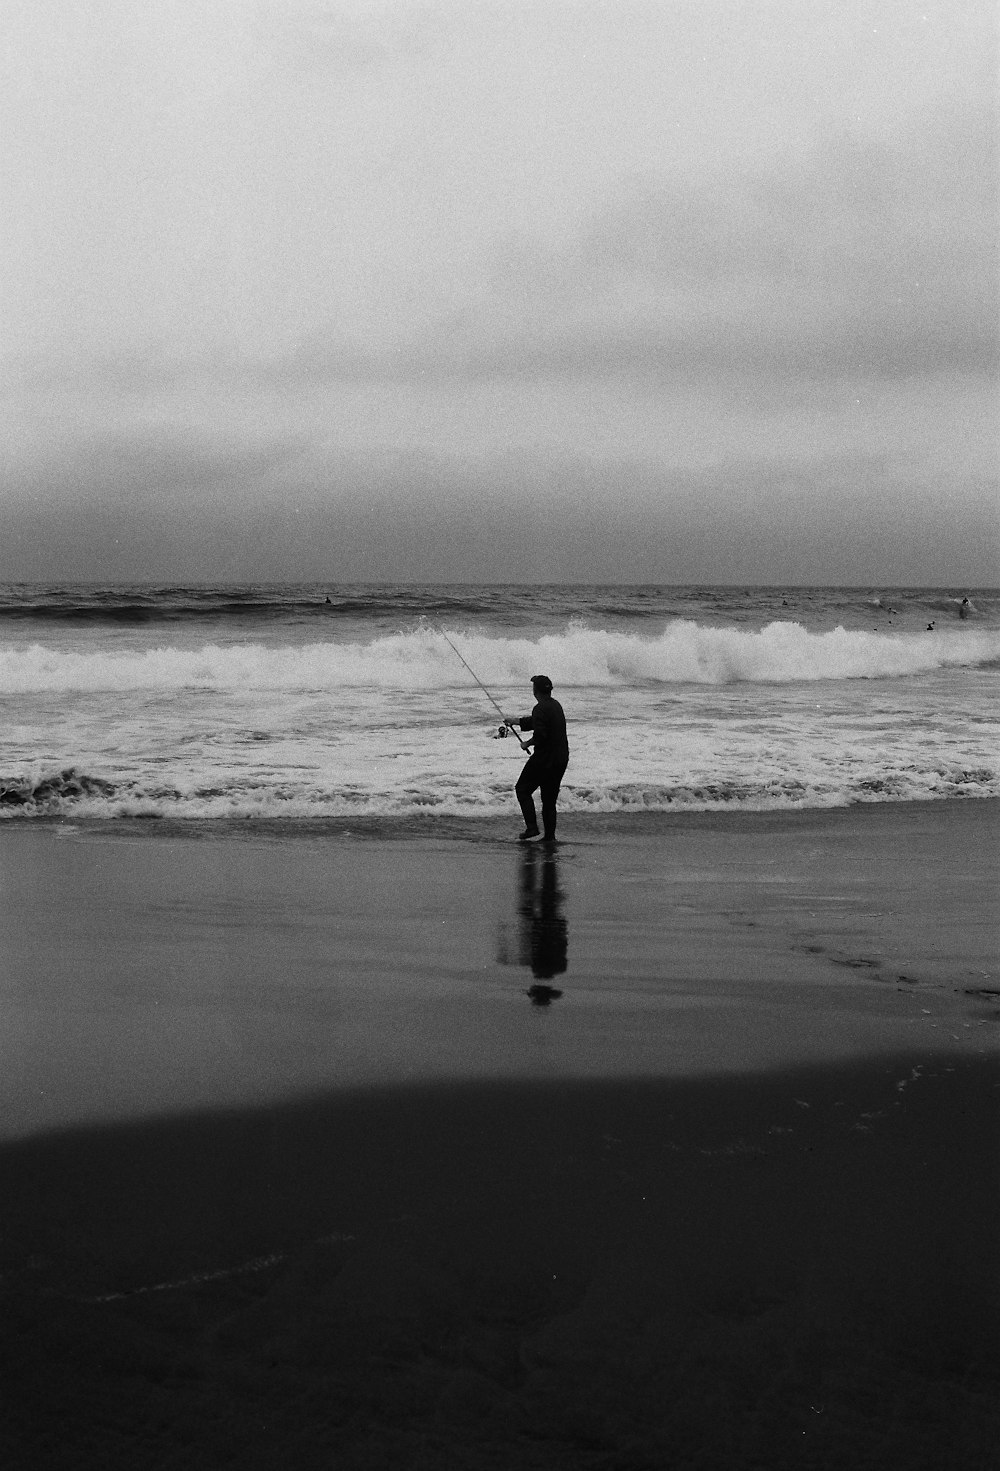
506,723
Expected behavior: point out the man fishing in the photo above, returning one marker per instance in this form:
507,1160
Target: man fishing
547,763
544,768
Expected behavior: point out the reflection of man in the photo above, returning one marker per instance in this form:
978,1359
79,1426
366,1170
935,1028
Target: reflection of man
545,767
543,931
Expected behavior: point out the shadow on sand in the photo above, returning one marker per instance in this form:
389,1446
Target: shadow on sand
784,1270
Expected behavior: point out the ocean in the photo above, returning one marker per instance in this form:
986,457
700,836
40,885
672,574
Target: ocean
332,701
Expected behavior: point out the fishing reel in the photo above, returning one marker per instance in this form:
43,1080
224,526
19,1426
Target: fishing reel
503,732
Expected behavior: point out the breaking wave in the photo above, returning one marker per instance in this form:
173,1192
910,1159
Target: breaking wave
73,793
685,652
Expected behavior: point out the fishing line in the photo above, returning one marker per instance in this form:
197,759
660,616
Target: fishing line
524,746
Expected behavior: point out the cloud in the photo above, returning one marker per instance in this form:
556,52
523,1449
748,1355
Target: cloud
163,468
866,256
536,190
343,41
178,506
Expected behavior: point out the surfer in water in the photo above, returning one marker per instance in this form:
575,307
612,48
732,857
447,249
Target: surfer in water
549,758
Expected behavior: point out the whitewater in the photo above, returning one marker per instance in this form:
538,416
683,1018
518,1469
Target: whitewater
310,703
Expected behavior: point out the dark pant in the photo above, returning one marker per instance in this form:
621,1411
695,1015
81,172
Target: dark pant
544,774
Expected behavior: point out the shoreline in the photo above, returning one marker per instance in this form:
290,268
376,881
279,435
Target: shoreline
498,826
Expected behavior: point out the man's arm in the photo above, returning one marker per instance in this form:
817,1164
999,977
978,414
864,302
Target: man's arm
525,722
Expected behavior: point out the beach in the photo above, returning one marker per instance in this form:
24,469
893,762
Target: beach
416,415
376,1143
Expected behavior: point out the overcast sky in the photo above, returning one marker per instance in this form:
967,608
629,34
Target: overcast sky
697,290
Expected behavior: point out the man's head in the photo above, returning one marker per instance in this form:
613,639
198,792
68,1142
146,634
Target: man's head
542,685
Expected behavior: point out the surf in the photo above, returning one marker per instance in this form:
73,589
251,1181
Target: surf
578,656
235,796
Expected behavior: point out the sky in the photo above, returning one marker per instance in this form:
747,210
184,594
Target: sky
567,290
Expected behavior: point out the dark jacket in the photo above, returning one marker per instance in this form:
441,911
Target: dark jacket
548,723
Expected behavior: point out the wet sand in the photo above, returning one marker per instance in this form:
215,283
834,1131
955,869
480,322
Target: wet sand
296,1171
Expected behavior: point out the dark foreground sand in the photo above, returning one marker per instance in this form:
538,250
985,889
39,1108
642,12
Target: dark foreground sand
295,1173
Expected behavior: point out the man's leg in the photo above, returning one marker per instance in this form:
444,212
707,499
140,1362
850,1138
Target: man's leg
550,792
527,783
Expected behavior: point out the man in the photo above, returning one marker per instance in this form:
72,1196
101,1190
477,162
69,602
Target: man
544,768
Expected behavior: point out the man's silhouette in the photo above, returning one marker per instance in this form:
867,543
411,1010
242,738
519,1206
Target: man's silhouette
544,768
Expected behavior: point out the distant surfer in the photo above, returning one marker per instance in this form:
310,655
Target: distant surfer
545,767
964,608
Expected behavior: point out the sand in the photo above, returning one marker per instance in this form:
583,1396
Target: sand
375,1147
